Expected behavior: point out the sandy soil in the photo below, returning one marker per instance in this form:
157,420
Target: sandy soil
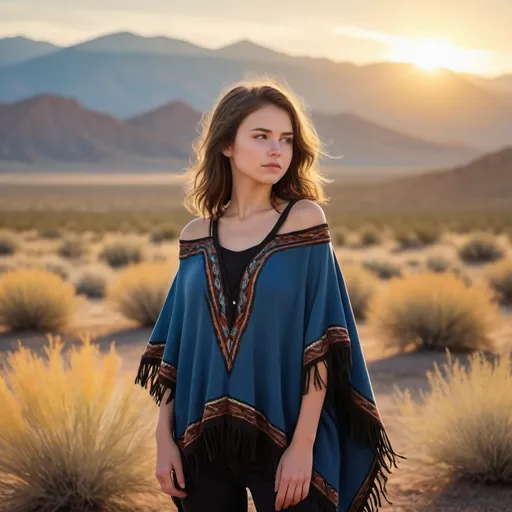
415,487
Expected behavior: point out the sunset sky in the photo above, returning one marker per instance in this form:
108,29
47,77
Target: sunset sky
463,35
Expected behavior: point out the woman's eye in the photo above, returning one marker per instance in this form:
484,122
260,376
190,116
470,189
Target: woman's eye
289,140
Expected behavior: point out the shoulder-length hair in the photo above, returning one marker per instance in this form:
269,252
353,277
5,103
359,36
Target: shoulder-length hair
209,178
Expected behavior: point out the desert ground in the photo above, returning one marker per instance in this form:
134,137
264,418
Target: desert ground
417,485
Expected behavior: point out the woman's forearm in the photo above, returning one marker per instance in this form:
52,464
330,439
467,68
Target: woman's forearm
310,409
165,416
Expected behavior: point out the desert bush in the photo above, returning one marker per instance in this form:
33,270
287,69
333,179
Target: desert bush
138,292
463,420
481,248
434,311
32,298
428,234
72,247
56,266
438,264
361,285
53,264
369,235
7,264
165,232
499,275
92,280
382,268
75,434
50,233
340,236
406,239
121,252
9,242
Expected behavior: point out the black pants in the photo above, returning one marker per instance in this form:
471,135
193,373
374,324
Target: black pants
223,489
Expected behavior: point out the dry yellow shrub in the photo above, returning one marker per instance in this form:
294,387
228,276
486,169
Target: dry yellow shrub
361,285
463,422
75,434
139,291
33,298
499,276
434,311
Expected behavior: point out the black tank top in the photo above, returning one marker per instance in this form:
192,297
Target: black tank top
233,263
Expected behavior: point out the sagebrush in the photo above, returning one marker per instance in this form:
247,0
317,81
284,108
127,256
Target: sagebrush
75,434
463,420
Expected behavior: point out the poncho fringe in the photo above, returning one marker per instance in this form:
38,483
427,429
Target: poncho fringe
363,420
152,371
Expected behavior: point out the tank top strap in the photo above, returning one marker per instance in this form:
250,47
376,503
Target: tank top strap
275,229
282,218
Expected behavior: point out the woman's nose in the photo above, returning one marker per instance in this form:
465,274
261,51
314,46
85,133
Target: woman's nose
275,148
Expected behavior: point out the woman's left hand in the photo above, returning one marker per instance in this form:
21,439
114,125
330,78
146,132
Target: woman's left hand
293,475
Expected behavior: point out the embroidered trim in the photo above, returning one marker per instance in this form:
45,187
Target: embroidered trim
154,350
167,372
229,340
159,374
232,407
334,334
229,407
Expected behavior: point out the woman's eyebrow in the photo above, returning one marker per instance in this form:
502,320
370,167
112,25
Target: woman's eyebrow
266,130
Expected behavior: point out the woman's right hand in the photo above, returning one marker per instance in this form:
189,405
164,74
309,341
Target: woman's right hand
168,458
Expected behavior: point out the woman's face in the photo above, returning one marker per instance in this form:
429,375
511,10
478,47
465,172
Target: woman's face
264,137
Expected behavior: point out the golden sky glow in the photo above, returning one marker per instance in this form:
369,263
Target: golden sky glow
432,53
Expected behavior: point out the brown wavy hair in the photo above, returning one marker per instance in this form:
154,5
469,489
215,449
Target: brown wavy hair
209,178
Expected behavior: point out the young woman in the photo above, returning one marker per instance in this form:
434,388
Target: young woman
255,358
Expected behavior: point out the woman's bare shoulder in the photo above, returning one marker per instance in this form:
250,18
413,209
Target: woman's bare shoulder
196,228
305,214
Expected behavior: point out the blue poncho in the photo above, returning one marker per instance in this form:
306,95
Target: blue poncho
238,392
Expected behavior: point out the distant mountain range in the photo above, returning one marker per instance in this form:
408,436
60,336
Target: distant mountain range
14,50
51,130
126,75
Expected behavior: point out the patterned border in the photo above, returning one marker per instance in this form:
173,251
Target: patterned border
227,406
154,350
317,349
167,371
229,340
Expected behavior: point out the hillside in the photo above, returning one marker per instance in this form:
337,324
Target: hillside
485,182
176,122
49,128
14,50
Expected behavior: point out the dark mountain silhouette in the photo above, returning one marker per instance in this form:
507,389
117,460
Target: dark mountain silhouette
49,128
18,49
247,50
128,42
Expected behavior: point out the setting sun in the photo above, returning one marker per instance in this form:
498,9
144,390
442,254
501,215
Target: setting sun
432,53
